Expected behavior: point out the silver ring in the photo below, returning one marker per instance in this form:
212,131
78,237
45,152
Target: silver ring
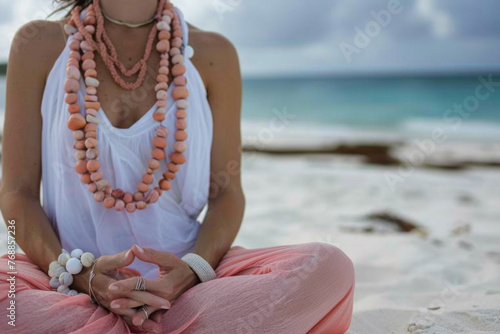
140,285
145,312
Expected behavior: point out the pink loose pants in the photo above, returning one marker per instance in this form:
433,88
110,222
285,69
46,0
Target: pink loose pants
293,289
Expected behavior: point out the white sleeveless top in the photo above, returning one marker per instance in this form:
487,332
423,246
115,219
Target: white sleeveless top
171,223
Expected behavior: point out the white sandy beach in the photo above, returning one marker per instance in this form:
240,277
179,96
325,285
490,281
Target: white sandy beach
442,278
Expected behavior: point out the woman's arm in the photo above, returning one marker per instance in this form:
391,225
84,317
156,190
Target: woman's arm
221,72
33,52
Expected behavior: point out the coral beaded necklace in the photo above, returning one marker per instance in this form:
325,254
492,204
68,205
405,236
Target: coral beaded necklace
89,36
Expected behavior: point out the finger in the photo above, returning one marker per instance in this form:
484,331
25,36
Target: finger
125,303
152,255
158,316
149,299
129,312
140,318
111,262
129,284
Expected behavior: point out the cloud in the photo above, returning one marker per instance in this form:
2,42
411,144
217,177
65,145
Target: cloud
293,36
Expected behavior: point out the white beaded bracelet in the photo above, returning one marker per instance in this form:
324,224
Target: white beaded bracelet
67,265
202,268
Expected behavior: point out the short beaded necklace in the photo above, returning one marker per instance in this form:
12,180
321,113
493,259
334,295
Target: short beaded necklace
82,57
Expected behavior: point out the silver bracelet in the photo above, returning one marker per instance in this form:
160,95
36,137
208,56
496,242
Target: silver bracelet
202,268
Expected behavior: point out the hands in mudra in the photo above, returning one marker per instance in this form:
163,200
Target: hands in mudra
114,286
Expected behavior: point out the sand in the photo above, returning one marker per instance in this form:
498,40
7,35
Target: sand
443,277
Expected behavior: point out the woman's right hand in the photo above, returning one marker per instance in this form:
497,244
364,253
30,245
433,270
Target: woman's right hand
109,269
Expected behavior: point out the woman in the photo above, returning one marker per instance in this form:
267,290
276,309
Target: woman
77,117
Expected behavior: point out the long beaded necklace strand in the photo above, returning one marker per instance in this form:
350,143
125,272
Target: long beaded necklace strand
82,55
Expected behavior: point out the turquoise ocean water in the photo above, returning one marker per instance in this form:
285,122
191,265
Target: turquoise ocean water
385,104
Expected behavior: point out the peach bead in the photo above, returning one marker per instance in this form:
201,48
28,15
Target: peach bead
92,105
90,98
81,166
180,146
177,59
99,196
127,198
152,197
118,193
163,45
181,113
71,86
91,143
109,202
86,46
92,153
168,175
164,70
90,127
159,117
91,90
153,164
96,176
164,62
72,62
165,184
105,186
138,196
180,81
142,187
130,207
178,69
93,165
74,45
161,86
162,78
158,154
80,154
159,142
173,167
91,73
90,29
178,158
75,54
92,187
88,55
181,124
90,20
73,73
164,34
73,108
85,178
91,134
149,171
180,135
141,205
162,131
175,51
177,42
76,122
71,98
88,64
147,178
79,145
180,92
161,103
177,33
78,36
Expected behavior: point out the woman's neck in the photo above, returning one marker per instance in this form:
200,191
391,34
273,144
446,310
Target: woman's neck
130,11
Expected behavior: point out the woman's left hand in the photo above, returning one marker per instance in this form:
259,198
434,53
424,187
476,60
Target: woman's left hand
174,278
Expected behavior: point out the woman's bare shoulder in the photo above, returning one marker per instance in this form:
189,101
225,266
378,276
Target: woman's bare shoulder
38,42
214,54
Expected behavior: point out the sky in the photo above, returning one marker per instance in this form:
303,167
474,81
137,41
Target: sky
291,37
